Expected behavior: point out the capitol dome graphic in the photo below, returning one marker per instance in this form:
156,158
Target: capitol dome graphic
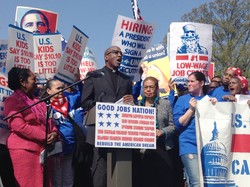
215,162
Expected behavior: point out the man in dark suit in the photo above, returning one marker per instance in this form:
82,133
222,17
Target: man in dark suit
105,85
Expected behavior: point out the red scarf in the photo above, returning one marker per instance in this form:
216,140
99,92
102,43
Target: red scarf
60,105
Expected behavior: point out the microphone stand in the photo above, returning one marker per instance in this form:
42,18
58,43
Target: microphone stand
44,99
47,101
46,145
52,95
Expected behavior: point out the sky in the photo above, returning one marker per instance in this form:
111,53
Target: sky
97,18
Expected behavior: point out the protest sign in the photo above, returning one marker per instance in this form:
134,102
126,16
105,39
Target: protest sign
134,38
36,20
156,64
242,98
3,54
88,63
125,126
72,56
211,71
20,49
223,135
4,92
47,55
190,49
40,53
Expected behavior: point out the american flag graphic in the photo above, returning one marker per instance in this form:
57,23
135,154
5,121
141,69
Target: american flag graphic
136,10
125,126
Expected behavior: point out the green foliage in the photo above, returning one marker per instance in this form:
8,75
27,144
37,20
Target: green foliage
231,32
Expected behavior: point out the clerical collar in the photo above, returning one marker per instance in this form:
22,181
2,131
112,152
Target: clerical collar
111,70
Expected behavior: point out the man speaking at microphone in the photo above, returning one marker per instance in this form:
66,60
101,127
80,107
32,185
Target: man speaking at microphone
109,87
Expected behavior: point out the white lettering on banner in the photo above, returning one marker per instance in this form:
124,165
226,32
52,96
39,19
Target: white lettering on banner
127,69
131,52
136,37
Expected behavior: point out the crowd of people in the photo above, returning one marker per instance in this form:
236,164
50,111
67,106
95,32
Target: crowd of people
56,125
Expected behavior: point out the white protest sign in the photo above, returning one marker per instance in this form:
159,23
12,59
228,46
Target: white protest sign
242,98
47,55
125,126
134,38
223,136
20,49
190,49
88,63
4,92
72,56
3,54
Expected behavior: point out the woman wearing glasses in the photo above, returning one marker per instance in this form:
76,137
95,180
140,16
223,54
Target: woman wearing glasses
160,167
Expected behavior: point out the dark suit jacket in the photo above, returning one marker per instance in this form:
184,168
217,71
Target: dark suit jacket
101,89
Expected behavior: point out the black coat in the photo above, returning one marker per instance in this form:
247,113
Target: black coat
101,89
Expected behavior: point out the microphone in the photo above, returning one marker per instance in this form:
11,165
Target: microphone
95,74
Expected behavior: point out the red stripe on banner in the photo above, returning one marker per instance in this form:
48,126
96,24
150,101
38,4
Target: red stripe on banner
240,143
204,58
181,57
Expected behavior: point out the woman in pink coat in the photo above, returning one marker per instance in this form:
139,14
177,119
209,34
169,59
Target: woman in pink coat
27,129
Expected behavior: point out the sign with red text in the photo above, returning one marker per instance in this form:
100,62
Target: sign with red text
223,136
190,49
20,49
134,38
40,53
3,54
72,56
88,63
125,126
5,91
47,55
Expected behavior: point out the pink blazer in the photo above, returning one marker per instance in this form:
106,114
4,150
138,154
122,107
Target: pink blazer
26,132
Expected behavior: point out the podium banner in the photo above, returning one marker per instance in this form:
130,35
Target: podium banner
223,136
125,126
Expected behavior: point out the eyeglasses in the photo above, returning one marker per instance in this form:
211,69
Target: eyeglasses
115,52
149,87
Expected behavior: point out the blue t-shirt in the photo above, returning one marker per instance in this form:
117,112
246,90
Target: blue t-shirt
187,134
218,93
